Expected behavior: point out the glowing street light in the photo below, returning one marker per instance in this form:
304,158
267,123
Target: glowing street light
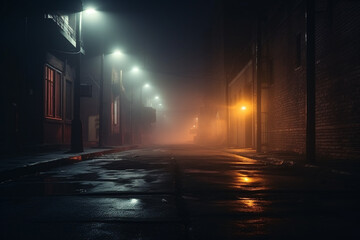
243,108
90,10
157,98
118,53
146,86
135,69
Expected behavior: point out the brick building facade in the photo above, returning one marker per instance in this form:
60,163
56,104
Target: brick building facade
283,75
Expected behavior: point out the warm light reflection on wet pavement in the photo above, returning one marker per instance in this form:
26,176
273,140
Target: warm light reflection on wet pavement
179,192
249,182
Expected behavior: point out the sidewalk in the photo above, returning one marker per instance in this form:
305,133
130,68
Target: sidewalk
16,166
345,167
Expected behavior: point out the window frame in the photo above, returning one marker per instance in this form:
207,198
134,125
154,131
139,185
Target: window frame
53,86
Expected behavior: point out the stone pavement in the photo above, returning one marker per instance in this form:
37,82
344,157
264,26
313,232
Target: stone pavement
180,192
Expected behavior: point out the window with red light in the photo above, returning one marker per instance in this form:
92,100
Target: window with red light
52,93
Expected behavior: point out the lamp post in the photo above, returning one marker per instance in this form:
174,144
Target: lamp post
243,109
101,97
157,99
133,70
101,101
76,126
141,92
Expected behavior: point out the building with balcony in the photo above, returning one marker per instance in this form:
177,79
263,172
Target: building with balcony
38,72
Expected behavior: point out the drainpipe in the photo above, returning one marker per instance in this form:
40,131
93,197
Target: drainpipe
101,101
310,80
258,84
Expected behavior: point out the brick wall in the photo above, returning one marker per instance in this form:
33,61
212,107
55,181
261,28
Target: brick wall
338,79
286,91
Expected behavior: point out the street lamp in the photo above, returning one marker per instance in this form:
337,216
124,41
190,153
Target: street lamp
117,53
76,126
155,99
243,111
134,70
90,11
146,86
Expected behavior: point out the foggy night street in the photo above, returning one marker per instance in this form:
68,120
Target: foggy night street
180,192
181,119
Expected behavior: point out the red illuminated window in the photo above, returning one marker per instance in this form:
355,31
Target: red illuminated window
52,93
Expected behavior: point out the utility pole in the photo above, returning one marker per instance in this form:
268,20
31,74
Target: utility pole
76,126
310,81
101,102
131,115
120,109
258,83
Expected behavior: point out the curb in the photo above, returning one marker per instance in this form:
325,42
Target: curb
9,175
275,160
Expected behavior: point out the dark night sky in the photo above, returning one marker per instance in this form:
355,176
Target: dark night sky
166,38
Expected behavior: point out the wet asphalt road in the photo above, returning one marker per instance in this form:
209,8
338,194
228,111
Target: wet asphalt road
180,192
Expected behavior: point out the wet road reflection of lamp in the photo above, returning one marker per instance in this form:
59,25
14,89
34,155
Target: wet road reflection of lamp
246,179
134,201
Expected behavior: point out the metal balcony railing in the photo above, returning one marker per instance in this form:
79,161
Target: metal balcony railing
63,23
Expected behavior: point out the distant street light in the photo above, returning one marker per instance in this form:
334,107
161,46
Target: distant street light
147,86
243,109
117,53
135,69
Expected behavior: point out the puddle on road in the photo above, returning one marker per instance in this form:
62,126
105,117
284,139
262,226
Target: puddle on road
251,205
199,171
249,182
